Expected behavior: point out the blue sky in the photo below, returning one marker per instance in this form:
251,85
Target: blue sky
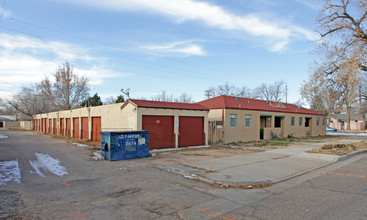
180,46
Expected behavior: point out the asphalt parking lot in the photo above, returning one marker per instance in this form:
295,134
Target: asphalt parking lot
49,178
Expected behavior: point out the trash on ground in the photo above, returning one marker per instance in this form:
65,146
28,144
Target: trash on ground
192,176
78,144
97,156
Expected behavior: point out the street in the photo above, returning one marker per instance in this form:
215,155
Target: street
42,177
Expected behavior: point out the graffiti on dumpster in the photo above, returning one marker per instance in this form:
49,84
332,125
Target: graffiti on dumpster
131,141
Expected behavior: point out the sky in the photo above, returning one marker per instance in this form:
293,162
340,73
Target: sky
150,46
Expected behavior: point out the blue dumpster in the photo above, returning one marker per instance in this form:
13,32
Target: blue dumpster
125,145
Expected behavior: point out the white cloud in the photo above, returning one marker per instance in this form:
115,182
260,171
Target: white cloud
209,14
25,60
185,48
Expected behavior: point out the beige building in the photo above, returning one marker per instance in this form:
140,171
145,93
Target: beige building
222,119
340,122
170,124
233,119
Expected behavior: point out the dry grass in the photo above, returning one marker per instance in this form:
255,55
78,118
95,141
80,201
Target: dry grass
282,143
339,149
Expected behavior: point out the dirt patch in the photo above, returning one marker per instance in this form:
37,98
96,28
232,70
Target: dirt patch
339,149
278,143
194,155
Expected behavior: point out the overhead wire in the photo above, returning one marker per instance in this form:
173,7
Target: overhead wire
129,64
210,76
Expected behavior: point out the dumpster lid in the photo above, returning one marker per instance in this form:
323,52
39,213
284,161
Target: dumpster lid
123,132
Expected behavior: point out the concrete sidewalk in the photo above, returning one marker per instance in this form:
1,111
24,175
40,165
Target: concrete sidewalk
267,167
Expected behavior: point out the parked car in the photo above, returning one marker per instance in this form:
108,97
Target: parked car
328,128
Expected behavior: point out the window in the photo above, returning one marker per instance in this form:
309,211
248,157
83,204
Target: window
318,122
323,121
300,121
248,120
293,123
232,120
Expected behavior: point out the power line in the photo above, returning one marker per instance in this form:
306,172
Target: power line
131,58
10,83
130,64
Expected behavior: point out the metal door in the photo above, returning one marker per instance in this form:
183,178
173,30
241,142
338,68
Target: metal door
68,127
96,128
75,127
50,126
55,126
62,126
85,128
191,131
161,132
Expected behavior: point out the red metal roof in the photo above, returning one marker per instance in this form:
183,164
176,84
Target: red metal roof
231,102
165,105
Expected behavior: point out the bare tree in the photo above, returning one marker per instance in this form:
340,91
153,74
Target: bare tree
184,98
69,90
30,102
342,27
163,97
243,92
210,93
226,89
274,92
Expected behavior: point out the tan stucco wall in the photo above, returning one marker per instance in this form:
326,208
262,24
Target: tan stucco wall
176,114
354,125
215,115
113,118
242,133
27,125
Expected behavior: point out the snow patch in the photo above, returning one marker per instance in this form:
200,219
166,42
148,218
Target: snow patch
9,171
79,145
345,134
47,163
3,137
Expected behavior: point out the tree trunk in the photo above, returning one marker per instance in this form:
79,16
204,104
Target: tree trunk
363,121
348,117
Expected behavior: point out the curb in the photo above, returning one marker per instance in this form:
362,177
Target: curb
263,184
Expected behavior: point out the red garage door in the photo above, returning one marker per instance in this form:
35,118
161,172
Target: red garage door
44,128
161,133
55,126
191,130
62,126
85,128
76,128
96,128
68,127
50,126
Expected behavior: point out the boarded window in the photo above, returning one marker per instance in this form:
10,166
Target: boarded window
233,120
248,120
300,121
293,121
